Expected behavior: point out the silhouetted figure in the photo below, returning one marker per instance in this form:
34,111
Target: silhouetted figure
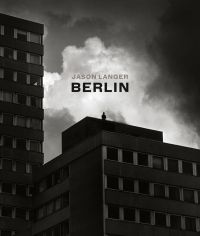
103,116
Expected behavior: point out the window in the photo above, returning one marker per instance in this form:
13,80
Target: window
129,214
8,31
8,74
1,73
190,224
35,146
127,156
9,53
35,59
57,177
36,102
198,169
6,187
65,172
21,99
21,190
1,29
21,213
112,154
21,35
7,119
35,38
49,181
113,212
21,121
36,124
142,159
6,233
128,185
175,221
112,182
21,77
42,185
35,80
160,219
21,56
145,216
159,190
187,168
40,213
65,199
21,144
50,208
174,193
7,97
7,141
188,195
7,164
158,162
143,187
58,203
172,165
6,211
20,167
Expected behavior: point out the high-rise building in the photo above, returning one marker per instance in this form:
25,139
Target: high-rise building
111,179
21,116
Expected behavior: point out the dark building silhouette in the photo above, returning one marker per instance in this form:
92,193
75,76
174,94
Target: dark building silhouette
112,179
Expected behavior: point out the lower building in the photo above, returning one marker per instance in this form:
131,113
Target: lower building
113,179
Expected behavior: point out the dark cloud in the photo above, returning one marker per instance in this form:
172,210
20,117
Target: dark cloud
176,51
55,122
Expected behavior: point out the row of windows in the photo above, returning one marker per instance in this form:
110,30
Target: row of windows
153,189
53,179
20,34
22,121
153,161
61,229
53,206
20,77
16,189
21,56
15,165
15,212
154,218
21,99
22,144
4,232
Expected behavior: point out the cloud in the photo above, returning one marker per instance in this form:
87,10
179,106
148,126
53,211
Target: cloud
132,108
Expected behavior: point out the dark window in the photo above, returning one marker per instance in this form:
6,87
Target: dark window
65,199
9,53
175,221
174,193
128,185
35,80
7,119
42,185
21,78
49,181
20,167
188,195
35,59
172,165
6,187
65,228
35,38
8,74
112,182
21,213
58,203
21,121
113,212
129,214
57,176
190,224
6,211
50,207
158,162
187,168
9,31
36,124
198,169
145,216
7,141
21,190
22,35
143,187
21,56
35,102
35,146
160,219
159,190
21,99
7,164
7,97
142,159
65,172
6,233
21,144
127,156
112,154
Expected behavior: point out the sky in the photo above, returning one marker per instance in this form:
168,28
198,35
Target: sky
155,42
